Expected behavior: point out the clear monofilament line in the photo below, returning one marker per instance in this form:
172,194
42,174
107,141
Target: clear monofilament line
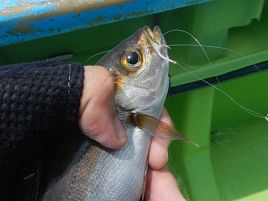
214,47
196,40
246,109
165,58
97,54
193,37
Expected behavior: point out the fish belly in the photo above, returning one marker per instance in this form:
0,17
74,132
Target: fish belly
97,173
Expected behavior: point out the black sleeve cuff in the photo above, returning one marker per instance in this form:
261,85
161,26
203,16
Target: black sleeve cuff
35,97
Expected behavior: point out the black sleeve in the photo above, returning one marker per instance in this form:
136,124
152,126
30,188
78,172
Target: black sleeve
35,97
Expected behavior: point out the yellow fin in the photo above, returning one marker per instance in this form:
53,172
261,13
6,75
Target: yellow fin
158,128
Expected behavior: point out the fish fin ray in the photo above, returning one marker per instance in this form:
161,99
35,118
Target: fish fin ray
158,128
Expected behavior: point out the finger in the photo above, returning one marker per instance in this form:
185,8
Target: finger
158,154
162,186
98,118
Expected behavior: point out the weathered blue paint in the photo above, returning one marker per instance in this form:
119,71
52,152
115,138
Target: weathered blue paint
9,3
42,18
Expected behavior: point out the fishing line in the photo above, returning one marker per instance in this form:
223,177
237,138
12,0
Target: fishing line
246,109
197,41
215,47
165,58
158,47
193,37
97,54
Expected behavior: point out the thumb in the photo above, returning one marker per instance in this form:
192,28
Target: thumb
98,118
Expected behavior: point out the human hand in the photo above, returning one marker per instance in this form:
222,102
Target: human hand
161,184
98,118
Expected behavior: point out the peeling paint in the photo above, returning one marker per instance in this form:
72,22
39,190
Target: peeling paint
23,20
136,13
118,17
55,7
22,29
131,14
96,21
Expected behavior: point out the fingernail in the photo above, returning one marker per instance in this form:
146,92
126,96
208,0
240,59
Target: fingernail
120,132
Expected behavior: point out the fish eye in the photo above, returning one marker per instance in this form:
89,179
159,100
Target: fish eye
131,60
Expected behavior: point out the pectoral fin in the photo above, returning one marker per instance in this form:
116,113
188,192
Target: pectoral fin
158,128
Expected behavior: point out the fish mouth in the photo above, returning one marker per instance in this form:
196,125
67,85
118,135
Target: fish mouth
155,35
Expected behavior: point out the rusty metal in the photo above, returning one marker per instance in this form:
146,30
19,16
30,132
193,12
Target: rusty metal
23,20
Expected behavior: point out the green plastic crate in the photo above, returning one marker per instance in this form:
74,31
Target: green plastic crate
231,162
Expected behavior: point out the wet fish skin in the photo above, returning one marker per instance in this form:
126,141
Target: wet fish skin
97,173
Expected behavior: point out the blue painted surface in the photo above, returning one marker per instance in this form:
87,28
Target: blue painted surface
29,25
9,3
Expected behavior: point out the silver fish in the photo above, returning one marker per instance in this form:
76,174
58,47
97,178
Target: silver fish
140,72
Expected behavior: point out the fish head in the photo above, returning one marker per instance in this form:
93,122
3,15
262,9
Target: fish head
140,70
